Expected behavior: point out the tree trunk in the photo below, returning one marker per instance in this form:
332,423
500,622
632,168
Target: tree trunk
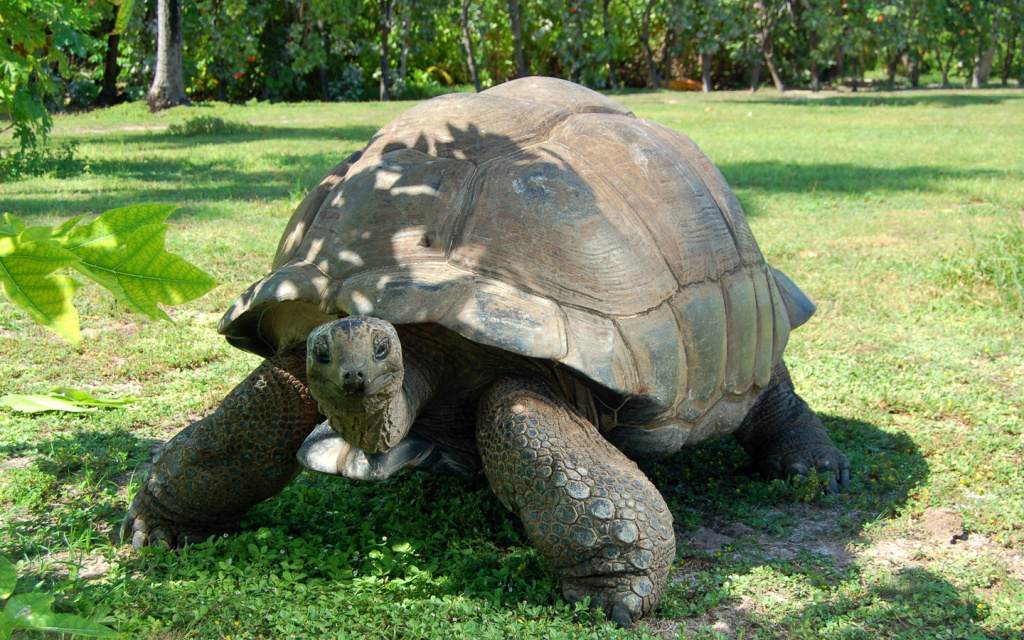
385,64
325,91
1011,50
815,73
467,43
911,62
767,46
613,80
944,67
893,64
403,56
666,57
517,37
652,69
755,77
168,88
983,67
705,72
108,87
854,78
769,60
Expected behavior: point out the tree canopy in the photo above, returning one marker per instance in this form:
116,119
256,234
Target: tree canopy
69,53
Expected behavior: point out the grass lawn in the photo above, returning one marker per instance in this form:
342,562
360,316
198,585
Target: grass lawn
901,214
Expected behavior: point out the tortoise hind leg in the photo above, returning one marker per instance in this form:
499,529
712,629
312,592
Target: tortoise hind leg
208,475
785,438
586,507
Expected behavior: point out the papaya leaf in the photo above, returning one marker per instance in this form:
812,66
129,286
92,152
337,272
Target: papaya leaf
11,226
8,578
36,403
70,623
61,399
107,233
6,626
26,273
63,229
25,607
123,249
143,273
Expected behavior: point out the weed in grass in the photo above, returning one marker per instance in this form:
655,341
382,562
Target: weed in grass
208,126
56,162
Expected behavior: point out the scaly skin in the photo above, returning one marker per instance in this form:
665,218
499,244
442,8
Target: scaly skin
207,476
784,438
586,507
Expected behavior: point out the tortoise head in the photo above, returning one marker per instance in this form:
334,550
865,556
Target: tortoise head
354,370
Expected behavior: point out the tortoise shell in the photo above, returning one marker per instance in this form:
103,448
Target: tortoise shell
544,219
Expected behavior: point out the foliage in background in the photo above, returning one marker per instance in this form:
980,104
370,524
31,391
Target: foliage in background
122,250
36,39
56,53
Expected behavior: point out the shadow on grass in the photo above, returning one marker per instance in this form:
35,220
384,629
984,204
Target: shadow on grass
773,176
912,603
68,489
193,184
251,133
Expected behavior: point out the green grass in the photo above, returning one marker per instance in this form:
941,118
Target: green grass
899,213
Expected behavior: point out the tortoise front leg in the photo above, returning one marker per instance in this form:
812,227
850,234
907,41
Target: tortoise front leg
208,475
586,507
785,438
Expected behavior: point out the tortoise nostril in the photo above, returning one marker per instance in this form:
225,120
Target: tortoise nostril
347,375
359,376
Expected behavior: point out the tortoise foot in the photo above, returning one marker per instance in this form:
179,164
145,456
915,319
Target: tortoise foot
786,439
623,598
148,524
208,475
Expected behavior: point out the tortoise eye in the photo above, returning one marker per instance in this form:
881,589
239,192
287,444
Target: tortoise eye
322,350
381,348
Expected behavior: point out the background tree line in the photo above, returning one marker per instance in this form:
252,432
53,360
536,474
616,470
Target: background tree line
58,54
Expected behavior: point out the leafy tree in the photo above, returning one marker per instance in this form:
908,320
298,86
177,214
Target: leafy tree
35,39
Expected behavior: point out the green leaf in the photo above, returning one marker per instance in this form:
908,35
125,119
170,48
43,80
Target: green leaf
8,578
142,273
6,626
12,225
85,399
62,230
109,232
70,623
123,249
35,404
25,273
124,14
25,608
61,399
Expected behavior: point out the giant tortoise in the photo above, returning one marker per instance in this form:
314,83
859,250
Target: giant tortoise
528,282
